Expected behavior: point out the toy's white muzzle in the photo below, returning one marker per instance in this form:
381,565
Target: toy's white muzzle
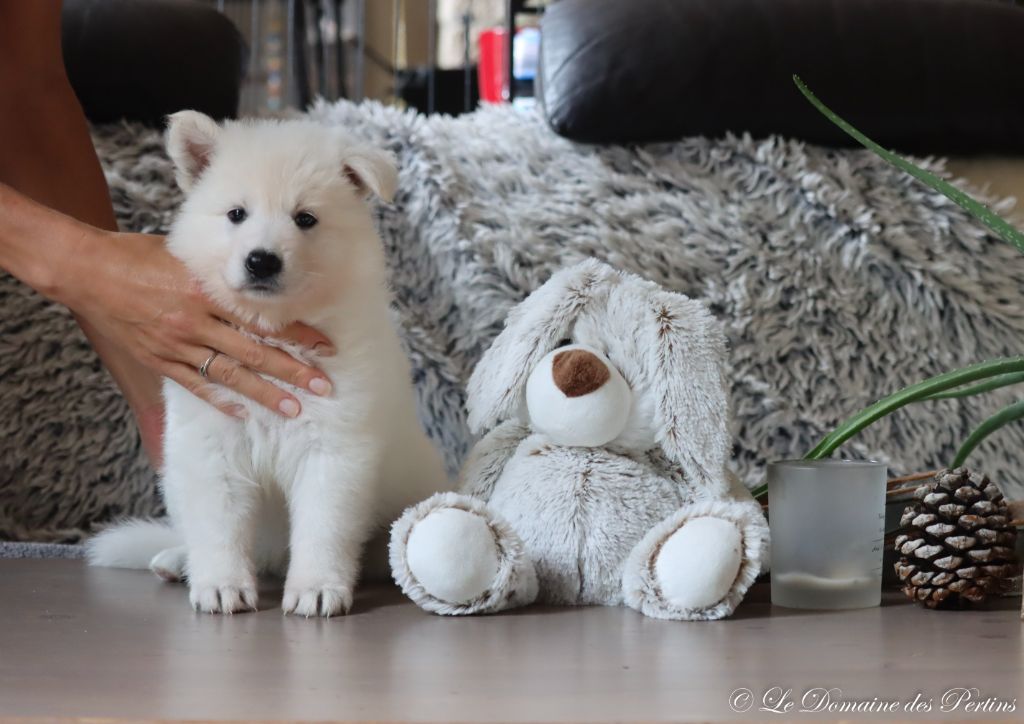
577,398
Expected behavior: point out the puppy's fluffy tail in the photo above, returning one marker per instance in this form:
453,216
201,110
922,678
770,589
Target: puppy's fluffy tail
131,544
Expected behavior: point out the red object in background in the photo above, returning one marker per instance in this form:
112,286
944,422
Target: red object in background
491,73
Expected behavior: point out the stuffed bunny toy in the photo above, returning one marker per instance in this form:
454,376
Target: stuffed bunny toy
602,476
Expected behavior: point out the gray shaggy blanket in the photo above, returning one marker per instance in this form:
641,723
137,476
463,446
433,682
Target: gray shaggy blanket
839,279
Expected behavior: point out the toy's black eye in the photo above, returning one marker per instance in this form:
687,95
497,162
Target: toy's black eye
565,342
237,215
305,220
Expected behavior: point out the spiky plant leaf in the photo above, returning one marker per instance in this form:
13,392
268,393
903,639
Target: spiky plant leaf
993,374
940,383
982,213
913,393
1010,413
988,385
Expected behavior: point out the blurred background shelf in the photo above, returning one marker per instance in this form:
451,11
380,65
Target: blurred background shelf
420,53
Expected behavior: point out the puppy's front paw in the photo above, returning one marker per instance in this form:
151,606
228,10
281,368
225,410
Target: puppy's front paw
223,597
316,600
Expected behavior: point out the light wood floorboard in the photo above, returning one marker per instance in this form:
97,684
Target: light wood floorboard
80,642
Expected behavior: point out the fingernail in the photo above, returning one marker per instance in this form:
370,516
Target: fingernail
325,350
320,386
288,407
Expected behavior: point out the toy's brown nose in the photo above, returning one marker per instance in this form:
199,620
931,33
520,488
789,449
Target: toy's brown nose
578,372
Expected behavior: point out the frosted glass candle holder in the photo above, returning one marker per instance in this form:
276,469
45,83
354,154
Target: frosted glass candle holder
827,521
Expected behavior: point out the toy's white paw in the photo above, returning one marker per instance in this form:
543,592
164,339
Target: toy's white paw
170,564
453,555
224,596
321,599
697,564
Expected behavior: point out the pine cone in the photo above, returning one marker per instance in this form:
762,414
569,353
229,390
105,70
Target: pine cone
956,547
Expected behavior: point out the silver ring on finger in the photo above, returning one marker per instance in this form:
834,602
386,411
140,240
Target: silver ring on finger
204,368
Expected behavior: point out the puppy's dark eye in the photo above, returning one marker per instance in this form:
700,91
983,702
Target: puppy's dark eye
237,215
305,220
565,342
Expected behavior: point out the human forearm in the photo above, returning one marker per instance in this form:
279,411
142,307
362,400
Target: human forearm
54,203
48,154
36,242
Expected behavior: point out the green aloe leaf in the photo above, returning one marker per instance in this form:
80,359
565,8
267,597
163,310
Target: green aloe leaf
940,383
1000,368
1010,413
976,209
992,374
988,385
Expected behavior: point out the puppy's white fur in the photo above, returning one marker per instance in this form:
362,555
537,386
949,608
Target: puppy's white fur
268,493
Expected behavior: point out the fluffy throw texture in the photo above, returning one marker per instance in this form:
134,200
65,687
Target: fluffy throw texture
644,514
70,454
839,280
19,549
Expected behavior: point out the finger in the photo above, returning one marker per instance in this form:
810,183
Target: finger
227,372
308,337
297,332
194,383
266,359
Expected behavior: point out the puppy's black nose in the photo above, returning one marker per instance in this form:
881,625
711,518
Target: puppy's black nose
262,264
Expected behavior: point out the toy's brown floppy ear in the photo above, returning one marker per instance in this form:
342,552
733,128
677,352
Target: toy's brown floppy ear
191,139
686,367
533,328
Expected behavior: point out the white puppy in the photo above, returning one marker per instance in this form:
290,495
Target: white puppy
276,228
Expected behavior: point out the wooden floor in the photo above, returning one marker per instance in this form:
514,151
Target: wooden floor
77,642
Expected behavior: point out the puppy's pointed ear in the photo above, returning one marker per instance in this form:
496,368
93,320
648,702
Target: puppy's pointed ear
371,171
685,363
191,139
533,328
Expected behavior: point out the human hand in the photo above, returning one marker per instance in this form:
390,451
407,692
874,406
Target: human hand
137,295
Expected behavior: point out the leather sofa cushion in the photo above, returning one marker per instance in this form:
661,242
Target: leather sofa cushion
143,59
932,76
